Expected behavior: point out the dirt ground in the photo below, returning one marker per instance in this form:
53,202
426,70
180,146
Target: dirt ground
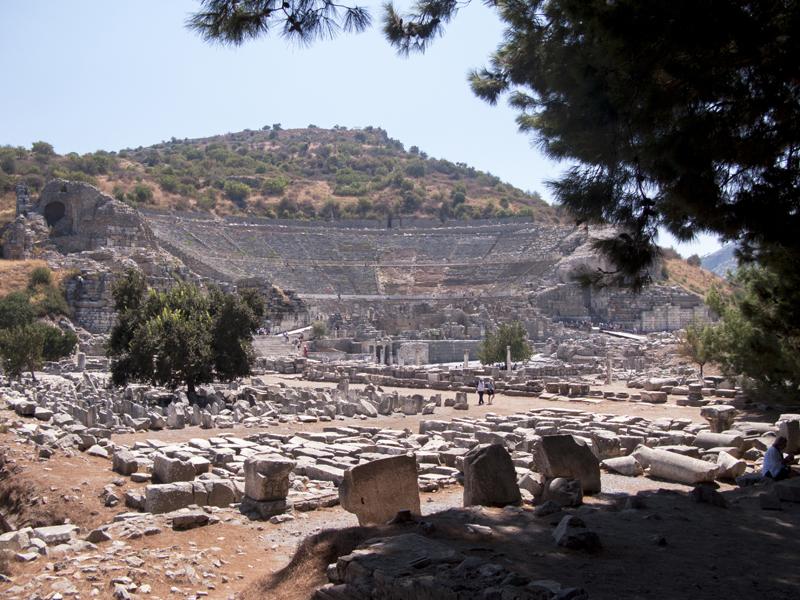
672,548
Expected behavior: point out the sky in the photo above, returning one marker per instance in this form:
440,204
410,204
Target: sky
90,75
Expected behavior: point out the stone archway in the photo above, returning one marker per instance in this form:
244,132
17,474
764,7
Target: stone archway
54,212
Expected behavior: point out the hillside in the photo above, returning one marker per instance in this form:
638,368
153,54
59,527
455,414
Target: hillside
302,174
695,279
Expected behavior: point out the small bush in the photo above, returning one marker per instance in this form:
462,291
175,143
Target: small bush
236,191
143,192
169,183
275,186
39,276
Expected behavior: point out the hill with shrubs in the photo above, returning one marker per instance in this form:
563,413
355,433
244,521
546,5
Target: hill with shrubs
304,174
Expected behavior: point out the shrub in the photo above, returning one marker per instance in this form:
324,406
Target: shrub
34,181
526,211
694,260
275,186
43,151
236,191
143,192
415,168
8,161
169,183
40,276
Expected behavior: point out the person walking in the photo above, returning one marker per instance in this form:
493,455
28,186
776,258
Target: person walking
481,389
490,390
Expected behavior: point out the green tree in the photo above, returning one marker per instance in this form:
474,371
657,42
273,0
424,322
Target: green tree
235,318
694,260
43,151
21,349
57,344
181,337
493,347
16,310
458,193
319,329
757,335
696,343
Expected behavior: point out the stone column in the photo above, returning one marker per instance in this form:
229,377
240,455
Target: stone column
466,358
81,360
380,354
416,356
508,358
609,372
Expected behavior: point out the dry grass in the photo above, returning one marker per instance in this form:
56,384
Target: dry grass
695,279
306,571
8,207
14,274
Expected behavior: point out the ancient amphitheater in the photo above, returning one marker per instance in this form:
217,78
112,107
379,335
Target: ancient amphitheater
523,267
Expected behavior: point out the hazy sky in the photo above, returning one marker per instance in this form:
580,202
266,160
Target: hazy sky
90,75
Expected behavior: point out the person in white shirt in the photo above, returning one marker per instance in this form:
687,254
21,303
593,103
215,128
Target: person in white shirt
481,389
775,464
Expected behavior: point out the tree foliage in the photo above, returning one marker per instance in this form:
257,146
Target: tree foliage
493,347
758,330
319,329
181,337
696,343
21,349
233,22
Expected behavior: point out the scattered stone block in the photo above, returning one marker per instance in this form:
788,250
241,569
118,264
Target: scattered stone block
788,490
704,494
168,497
572,533
490,478
171,470
564,456
377,490
124,462
266,477
567,492
265,510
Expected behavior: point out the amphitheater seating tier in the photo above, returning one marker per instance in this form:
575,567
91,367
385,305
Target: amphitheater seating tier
318,260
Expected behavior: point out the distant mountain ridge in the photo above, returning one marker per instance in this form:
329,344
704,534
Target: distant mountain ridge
721,261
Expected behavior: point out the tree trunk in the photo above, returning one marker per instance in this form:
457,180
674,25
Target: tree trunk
190,391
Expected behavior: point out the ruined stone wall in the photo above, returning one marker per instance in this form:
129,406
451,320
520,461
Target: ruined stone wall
448,351
81,218
657,308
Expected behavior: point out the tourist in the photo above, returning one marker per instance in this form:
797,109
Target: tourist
305,351
481,389
490,390
776,465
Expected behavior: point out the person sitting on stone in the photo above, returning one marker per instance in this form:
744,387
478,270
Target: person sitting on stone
776,465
